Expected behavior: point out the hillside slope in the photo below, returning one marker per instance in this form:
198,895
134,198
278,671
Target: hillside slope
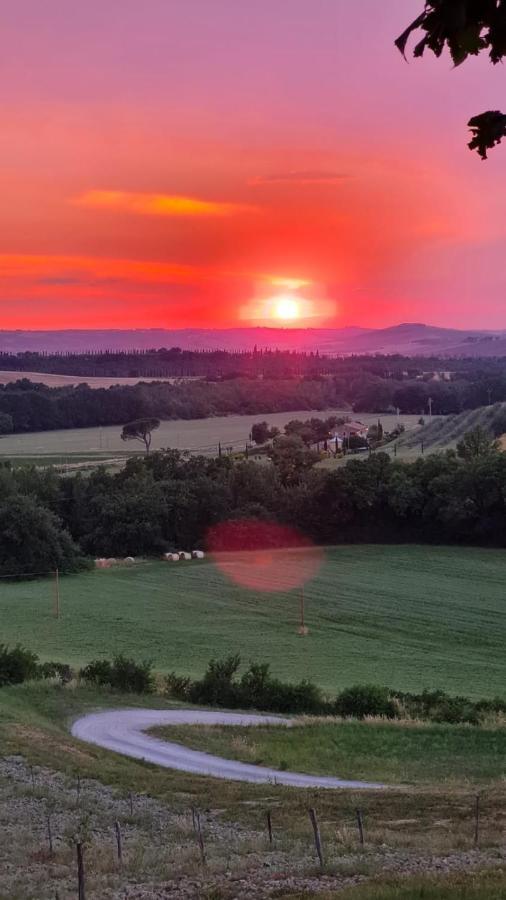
445,432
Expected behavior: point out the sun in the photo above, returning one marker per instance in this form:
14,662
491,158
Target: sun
286,308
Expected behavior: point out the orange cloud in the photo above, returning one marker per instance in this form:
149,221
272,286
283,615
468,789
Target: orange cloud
68,269
158,204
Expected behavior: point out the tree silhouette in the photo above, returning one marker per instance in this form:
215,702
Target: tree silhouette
466,28
140,430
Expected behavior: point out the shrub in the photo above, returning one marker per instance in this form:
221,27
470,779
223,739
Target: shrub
98,672
129,676
123,674
363,700
257,689
56,670
178,686
217,687
17,665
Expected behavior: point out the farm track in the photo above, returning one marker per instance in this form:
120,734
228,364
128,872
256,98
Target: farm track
123,731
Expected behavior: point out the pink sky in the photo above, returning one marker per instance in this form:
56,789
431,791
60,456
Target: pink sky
178,162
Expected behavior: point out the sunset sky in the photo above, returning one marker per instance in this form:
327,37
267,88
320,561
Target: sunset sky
179,163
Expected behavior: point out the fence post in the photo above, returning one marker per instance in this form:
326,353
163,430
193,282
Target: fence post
80,872
269,825
119,844
201,841
317,837
360,825
477,820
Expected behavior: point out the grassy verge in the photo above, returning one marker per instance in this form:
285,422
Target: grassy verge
471,886
373,751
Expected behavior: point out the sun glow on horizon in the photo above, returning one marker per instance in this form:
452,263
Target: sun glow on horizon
286,308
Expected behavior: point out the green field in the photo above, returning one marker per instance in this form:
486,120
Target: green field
406,616
370,751
197,435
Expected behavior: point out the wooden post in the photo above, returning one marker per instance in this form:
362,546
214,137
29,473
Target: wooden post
360,827
303,630
317,838
32,776
269,825
81,888
78,789
201,841
131,799
477,820
119,844
194,819
57,594
49,835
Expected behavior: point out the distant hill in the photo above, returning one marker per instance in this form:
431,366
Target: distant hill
408,339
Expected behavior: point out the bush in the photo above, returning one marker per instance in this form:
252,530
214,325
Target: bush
438,706
363,700
17,665
56,670
217,687
123,674
257,689
98,672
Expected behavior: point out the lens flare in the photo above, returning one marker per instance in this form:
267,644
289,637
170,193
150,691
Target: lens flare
263,556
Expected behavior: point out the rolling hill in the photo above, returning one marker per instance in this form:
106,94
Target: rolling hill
409,339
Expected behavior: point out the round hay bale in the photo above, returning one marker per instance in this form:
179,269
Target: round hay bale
197,554
111,561
129,560
184,555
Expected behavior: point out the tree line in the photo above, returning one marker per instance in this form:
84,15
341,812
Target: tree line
27,406
169,501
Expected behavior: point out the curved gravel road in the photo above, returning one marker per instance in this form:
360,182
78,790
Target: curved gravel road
124,732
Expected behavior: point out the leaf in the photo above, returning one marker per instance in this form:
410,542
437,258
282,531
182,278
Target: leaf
488,129
402,40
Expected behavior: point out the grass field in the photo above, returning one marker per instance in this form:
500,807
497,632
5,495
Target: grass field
6,377
406,616
370,751
197,435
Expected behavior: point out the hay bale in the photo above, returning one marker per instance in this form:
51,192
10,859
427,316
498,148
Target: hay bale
197,554
111,561
184,555
129,560
172,557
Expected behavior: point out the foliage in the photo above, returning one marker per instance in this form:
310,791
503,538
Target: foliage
256,689
261,433
17,665
140,430
466,28
122,674
59,670
476,443
33,539
363,700
6,423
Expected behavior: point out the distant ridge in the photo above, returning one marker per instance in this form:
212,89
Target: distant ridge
408,339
